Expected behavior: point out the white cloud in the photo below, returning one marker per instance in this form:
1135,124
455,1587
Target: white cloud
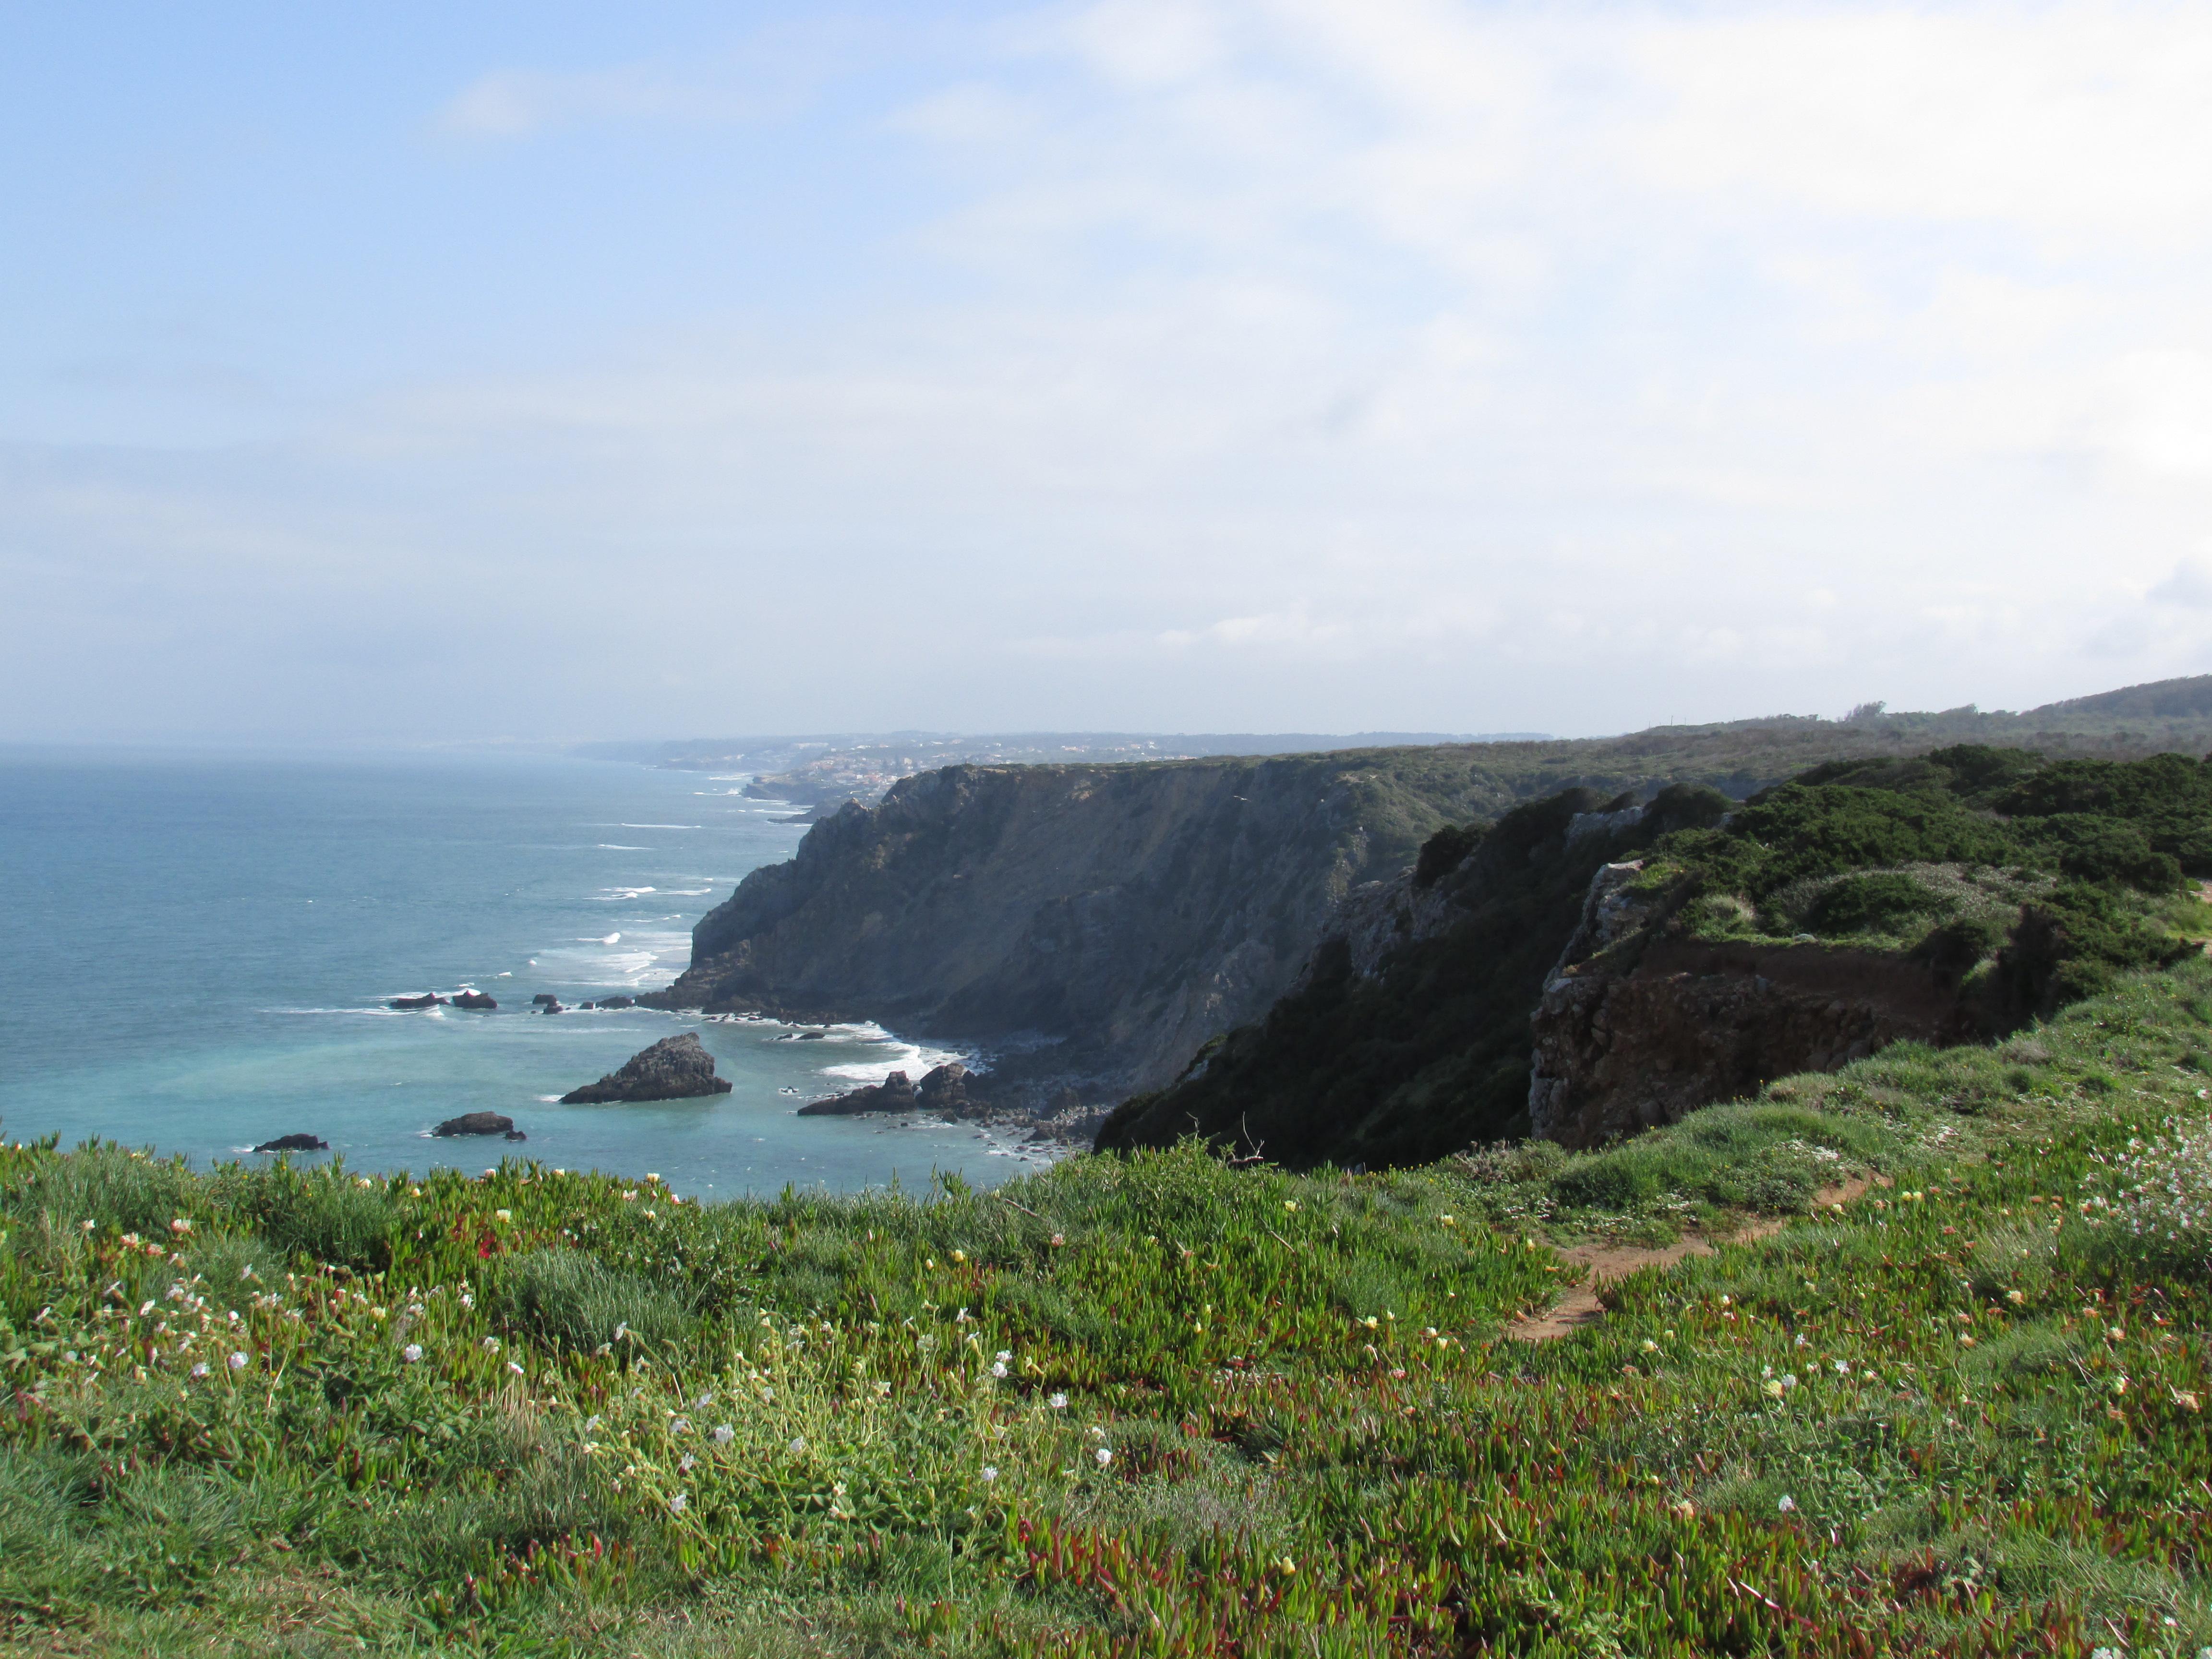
1295,364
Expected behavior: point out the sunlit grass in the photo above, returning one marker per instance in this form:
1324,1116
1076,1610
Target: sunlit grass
1154,1405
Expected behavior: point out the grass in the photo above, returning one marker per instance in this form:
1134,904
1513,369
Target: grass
546,1413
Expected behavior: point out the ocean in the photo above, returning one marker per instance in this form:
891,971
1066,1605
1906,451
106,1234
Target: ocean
203,948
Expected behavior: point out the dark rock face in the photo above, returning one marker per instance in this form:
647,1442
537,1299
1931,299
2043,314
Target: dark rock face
1690,1023
674,1068
294,1144
616,1002
552,1005
475,1123
429,999
944,1090
544,998
474,1000
516,1135
896,1093
1131,911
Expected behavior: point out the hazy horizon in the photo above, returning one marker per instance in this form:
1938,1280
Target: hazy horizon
554,374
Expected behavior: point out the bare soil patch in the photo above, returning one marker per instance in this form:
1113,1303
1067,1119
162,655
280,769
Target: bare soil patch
1608,1264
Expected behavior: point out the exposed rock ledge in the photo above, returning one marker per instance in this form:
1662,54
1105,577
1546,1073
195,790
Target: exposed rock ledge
1636,1030
674,1068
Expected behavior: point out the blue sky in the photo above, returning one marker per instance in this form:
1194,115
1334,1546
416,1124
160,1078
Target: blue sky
471,371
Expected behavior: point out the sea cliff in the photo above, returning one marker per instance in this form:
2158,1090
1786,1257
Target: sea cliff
1093,924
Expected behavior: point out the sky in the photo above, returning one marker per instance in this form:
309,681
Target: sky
477,371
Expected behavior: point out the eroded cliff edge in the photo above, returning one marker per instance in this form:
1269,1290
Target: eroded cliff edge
1580,971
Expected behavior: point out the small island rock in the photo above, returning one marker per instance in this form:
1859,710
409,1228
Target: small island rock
294,1144
428,1000
674,1068
473,1000
894,1094
475,1123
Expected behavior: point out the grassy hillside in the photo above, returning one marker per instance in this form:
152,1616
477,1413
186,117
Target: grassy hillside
1163,1406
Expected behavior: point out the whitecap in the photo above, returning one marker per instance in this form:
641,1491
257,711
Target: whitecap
554,1100
612,847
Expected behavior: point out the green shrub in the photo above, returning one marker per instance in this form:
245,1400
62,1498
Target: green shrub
1884,903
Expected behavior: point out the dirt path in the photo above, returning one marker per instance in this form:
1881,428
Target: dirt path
1608,1263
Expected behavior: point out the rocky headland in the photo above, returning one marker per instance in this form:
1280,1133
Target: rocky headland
674,1068
1120,931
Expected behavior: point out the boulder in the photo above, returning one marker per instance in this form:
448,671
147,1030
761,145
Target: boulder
617,1002
542,997
294,1144
674,1068
552,1005
428,1000
812,1036
896,1093
944,1089
516,1135
474,1000
475,1123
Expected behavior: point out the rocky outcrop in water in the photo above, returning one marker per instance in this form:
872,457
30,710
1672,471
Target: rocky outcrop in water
428,1000
896,1093
475,1000
301,1143
674,1068
475,1123
944,1090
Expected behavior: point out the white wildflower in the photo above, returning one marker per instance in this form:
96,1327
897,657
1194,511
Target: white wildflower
411,1353
239,1362
724,1434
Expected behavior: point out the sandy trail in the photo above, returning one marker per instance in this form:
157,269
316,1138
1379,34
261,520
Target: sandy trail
1608,1263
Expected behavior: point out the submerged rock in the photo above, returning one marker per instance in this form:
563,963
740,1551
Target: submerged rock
674,1068
475,1123
429,999
294,1144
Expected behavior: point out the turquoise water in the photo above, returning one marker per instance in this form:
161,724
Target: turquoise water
202,948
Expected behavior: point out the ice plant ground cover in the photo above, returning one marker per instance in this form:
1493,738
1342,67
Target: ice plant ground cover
1157,1406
